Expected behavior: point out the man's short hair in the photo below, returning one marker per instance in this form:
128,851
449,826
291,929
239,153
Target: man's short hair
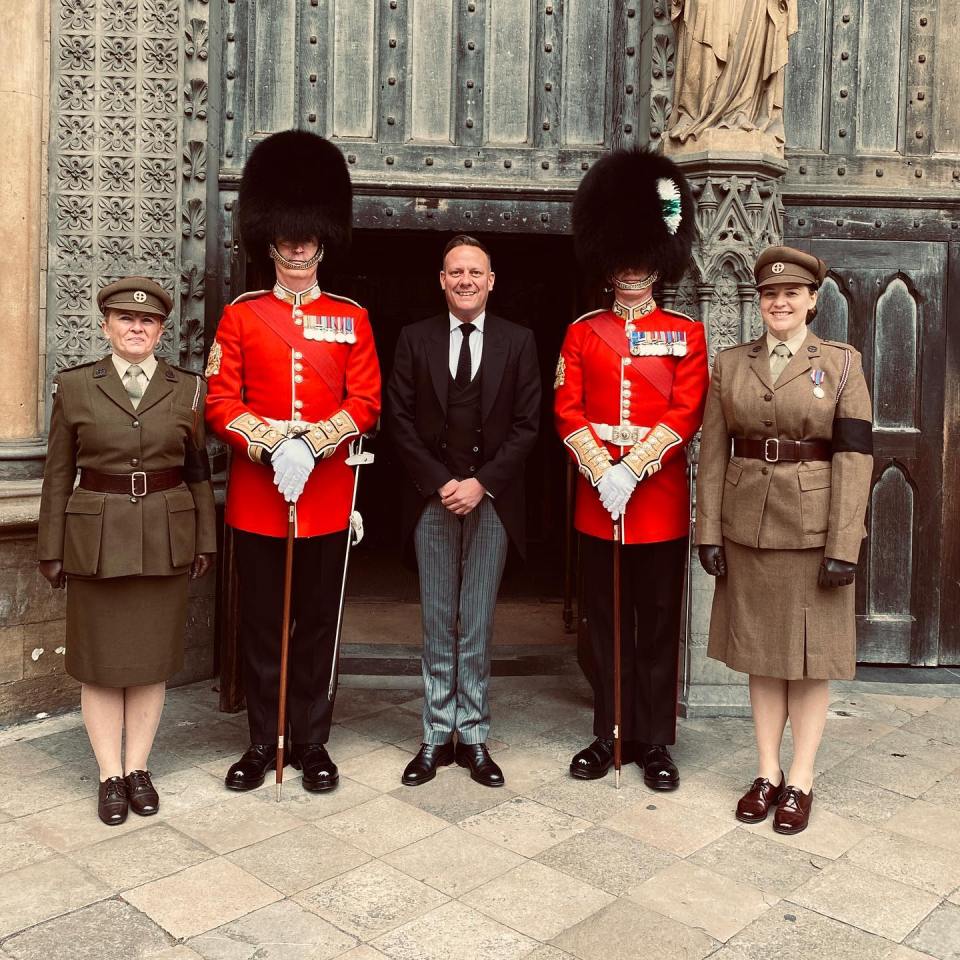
465,240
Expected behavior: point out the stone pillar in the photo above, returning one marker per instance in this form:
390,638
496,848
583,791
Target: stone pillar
22,86
739,212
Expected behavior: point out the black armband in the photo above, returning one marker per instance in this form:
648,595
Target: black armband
852,436
196,464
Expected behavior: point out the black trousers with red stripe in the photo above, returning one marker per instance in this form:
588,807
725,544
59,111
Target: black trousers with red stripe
651,594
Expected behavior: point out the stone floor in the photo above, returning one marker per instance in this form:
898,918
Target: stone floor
545,869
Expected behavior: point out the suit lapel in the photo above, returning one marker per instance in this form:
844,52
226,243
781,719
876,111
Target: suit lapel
160,386
760,361
108,380
438,358
800,362
493,361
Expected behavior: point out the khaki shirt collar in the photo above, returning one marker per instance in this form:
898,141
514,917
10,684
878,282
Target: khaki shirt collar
148,366
793,344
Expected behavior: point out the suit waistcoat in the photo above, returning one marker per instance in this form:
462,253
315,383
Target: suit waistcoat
462,445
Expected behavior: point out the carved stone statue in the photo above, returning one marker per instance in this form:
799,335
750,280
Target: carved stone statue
731,56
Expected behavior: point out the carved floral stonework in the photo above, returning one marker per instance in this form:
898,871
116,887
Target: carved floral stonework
128,165
662,67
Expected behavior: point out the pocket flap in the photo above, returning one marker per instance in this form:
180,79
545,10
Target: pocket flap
815,479
733,472
90,504
178,500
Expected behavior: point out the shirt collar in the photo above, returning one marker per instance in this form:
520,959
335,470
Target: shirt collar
297,299
148,366
478,322
793,344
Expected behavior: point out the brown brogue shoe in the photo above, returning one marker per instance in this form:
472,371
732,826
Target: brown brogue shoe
755,804
143,796
112,803
793,812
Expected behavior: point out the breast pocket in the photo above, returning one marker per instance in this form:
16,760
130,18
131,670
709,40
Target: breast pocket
82,534
815,499
182,524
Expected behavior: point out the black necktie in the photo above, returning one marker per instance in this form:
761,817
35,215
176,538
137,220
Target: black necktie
463,363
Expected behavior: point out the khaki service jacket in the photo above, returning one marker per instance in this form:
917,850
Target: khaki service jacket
94,426
786,505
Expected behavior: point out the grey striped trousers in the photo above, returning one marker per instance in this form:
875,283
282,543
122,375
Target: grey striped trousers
461,561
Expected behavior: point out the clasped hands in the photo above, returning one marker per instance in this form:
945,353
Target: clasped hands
615,487
461,496
833,573
292,464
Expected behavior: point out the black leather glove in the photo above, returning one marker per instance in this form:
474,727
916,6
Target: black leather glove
52,571
836,573
713,560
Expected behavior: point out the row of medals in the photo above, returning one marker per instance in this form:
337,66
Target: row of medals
329,329
656,343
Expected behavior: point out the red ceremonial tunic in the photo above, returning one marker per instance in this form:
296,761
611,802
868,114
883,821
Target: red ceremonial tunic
600,382
262,364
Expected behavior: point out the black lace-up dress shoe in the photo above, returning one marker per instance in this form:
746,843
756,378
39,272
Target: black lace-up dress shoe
477,757
248,772
143,796
594,761
659,770
319,771
423,767
112,804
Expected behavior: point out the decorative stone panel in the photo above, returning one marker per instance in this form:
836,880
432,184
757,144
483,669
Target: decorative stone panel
127,161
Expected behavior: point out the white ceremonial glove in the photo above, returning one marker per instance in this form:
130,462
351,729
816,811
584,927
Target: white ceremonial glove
615,488
292,465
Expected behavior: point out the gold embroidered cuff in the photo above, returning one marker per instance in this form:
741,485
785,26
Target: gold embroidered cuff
646,458
324,437
261,437
593,459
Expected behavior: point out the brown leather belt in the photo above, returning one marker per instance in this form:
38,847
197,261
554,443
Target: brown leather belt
774,450
137,484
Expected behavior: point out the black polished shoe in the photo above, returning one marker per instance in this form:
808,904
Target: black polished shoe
594,761
248,772
477,757
112,801
144,799
319,771
659,770
423,767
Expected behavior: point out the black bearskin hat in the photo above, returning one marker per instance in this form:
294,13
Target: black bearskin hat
634,209
295,185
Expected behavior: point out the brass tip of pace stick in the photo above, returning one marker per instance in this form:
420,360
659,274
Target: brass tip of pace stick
279,792
616,778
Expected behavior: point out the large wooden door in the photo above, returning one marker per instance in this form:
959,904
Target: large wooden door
887,299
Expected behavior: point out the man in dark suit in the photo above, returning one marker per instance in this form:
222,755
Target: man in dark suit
463,410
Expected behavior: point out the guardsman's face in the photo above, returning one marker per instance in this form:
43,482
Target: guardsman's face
466,280
133,335
784,307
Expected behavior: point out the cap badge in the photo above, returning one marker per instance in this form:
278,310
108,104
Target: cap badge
778,267
139,296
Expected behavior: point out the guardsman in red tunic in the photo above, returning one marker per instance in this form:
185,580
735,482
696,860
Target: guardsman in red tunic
293,375
631,386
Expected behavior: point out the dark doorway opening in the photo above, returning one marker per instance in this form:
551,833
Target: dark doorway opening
395,275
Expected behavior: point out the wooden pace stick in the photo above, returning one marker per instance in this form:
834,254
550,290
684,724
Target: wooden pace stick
285,646
617,679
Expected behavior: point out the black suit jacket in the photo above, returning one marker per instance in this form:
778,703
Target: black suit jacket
509,408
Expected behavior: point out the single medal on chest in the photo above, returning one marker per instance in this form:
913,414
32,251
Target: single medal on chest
817,377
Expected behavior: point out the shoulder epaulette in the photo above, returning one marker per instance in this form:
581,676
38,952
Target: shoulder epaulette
738,346
249,295
677,313
838,344
79,366
336,296
592,313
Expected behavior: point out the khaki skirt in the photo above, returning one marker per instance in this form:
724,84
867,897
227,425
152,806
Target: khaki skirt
770,618
125,631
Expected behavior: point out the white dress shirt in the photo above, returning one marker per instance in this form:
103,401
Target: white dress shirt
476,344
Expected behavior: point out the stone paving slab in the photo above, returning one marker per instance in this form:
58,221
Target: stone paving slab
547,868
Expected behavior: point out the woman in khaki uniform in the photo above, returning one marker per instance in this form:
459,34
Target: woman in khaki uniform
140,521
785,468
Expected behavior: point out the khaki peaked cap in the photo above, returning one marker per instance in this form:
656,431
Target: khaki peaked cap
135,293
788,265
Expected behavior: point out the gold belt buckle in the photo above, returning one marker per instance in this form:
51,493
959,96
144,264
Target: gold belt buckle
134,492
622,436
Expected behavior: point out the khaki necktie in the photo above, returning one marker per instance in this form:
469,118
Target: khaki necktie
131,382
779,360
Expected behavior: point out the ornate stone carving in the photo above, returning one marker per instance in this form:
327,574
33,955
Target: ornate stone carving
662,58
